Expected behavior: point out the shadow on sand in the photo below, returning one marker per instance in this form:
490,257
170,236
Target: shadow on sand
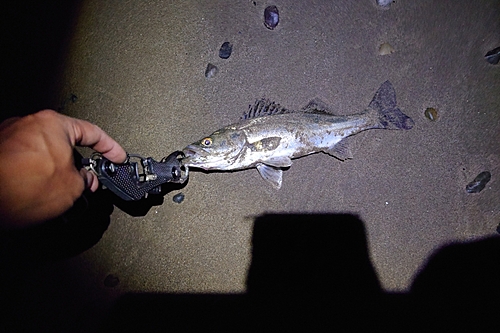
309,272
313,273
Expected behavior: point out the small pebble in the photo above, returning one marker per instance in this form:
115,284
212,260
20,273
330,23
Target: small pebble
498,228
385,49
111,281
493,56
385,4
271,17
178,198
225,50
479,183
211,71
431,114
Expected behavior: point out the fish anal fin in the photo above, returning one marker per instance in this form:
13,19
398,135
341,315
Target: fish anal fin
271,174
341,150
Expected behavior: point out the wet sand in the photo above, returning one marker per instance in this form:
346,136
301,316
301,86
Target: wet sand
138,68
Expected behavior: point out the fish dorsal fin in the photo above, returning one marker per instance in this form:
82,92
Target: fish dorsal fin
263,107
317,106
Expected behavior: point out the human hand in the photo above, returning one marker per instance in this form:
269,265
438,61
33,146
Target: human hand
38,177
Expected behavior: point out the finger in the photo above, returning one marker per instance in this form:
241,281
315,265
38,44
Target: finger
83,133
91,181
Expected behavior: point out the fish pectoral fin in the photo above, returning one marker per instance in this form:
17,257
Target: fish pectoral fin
341,150
279,161
271,174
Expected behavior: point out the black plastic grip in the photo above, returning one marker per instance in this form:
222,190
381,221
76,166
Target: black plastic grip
126,181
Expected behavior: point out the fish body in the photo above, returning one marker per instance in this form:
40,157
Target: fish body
269,136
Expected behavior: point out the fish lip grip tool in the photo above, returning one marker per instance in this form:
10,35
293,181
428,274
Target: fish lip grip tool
138,176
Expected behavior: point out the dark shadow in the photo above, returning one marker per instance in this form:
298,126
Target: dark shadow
74,232
35,40
136,208
142,207
307,271
312,273
26,253
304,254
459,288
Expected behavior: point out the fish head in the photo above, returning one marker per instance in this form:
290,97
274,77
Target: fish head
217,151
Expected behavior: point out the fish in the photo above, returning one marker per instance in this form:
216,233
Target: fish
268,136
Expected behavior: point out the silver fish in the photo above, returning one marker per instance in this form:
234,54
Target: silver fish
269,136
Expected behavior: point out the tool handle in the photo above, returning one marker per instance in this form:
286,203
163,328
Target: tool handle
130,183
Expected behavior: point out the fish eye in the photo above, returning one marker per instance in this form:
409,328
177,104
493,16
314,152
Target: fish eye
206,142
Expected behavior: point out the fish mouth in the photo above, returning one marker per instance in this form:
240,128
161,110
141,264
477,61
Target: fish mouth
193,156
198,157
192,151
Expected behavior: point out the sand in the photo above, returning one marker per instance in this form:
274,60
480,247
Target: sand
138,71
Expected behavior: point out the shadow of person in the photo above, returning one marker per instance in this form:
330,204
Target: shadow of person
310,271
458,288
307,271
310,254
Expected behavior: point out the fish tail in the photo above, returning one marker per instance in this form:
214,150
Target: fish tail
389,115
